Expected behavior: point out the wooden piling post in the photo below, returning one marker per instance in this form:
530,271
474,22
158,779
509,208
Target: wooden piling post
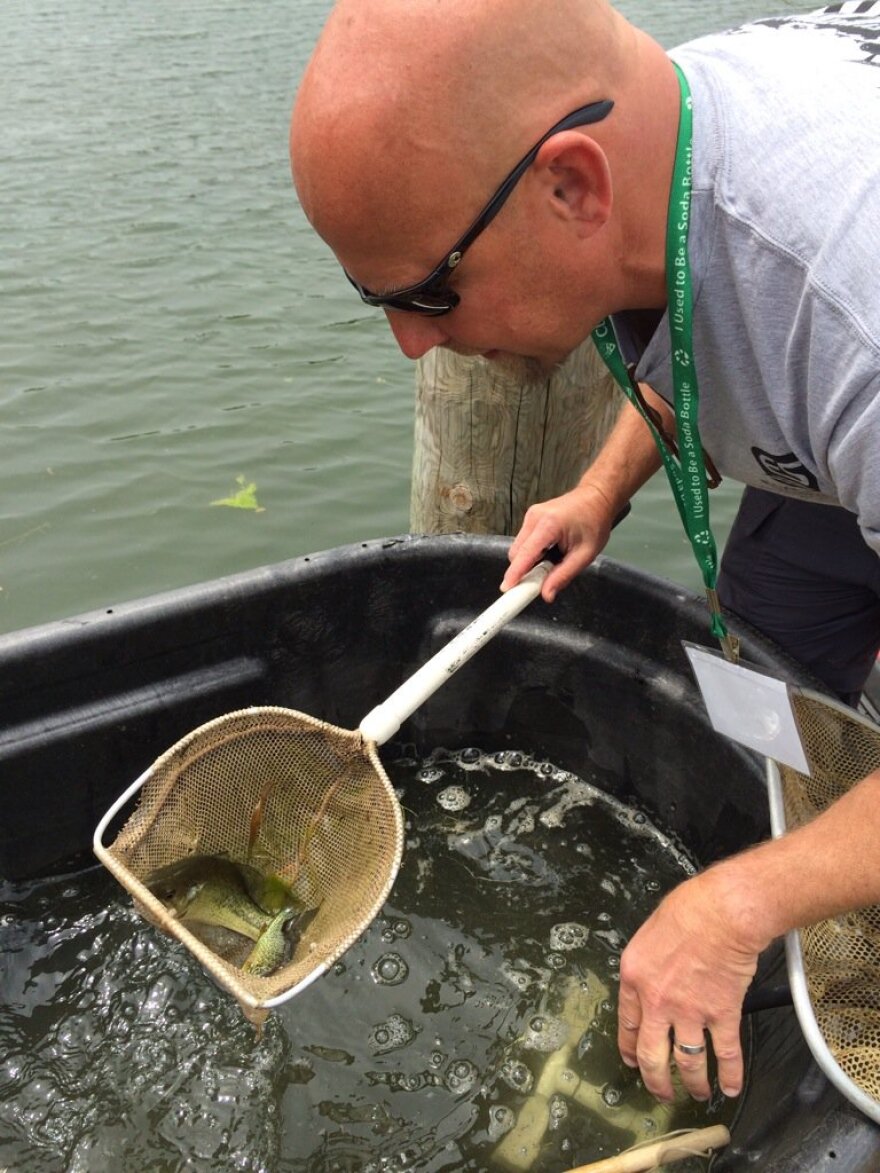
488,444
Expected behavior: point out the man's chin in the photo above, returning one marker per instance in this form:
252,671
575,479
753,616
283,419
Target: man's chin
519,365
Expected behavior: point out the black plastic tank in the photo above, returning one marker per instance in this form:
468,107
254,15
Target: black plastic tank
598,680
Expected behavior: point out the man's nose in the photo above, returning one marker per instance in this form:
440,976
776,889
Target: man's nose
416,334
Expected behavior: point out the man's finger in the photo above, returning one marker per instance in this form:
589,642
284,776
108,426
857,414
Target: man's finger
526,554
519,566
653,1053
689,1050
629,1015
728,1053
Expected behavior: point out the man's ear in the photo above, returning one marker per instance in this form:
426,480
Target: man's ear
577,178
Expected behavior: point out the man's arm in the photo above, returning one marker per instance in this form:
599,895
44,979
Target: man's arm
580,521
689,965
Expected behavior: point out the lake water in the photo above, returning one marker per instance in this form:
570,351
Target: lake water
171,323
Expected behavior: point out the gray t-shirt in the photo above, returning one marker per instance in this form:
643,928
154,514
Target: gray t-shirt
785,253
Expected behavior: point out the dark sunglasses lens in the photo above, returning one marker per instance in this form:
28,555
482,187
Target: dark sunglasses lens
429,304
413,301
425,303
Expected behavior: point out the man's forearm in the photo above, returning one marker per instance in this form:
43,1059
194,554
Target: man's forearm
827,867
628,458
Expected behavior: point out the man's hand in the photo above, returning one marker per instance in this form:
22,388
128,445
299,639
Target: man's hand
688,967
578,522
686,971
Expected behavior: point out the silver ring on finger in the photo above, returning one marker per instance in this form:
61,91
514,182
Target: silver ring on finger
689,1048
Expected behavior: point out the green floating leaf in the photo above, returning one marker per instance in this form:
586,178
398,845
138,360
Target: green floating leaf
245,498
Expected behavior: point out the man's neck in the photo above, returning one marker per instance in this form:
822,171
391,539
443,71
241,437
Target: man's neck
643,174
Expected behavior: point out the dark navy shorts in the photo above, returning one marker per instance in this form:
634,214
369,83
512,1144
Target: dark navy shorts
803,575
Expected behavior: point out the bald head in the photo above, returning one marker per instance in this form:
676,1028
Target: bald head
415,108
411,112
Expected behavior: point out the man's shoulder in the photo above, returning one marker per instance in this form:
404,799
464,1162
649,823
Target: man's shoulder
786,149
824,65
848,31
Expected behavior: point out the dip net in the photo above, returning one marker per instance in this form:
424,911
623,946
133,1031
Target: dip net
329,824
836,961
305,802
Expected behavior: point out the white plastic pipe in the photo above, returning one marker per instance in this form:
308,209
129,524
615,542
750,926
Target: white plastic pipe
698,1142
383,722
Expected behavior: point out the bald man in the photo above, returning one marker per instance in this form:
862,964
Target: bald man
505,178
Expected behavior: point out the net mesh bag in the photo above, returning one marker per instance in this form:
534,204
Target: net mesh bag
329,817
841,955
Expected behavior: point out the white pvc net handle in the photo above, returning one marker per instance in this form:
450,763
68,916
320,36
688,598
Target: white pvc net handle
383,722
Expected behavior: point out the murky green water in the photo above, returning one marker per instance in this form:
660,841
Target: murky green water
493,963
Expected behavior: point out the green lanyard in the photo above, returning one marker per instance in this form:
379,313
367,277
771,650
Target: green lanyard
687,475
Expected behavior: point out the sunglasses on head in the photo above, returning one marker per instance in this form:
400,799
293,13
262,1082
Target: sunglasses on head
432,296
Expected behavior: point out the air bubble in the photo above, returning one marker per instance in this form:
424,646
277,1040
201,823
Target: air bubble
390,970
501,1120
558,1111
517,1076
567,936
395,1032
470,755
454,798
545,1034
461,1076
611,1095
396,930
430,774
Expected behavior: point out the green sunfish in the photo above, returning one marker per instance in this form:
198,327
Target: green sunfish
211,891
249,919
278,943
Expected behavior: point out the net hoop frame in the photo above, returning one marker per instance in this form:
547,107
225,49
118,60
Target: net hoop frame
794,953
